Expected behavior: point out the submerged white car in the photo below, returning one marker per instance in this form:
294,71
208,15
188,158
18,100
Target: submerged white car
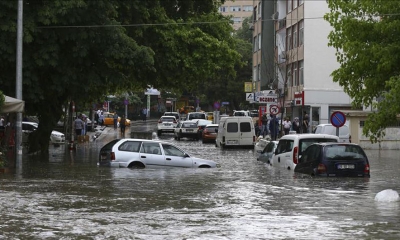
56,137
142,153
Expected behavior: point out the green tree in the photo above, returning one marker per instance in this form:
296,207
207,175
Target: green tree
366,37
84,50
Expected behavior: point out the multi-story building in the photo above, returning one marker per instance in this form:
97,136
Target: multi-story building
238,10
303,61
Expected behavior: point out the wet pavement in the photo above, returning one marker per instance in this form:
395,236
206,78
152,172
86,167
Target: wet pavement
68,197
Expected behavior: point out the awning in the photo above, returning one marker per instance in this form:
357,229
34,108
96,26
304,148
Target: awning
12,105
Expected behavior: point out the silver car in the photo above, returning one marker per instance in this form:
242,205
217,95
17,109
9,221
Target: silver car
268,152
141,153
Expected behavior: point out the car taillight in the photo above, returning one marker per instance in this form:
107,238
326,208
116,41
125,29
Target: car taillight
366,169
159,121
112,155
321,168
295,156
254,139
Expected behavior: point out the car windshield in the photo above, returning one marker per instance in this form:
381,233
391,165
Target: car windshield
239,114
197,116
211,129
345,152
189,125
304,143
167,119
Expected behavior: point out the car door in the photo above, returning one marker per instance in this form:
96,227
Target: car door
246,136
175,157
283,152
151,154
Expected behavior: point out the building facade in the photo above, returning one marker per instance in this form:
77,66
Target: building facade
303,61
238,10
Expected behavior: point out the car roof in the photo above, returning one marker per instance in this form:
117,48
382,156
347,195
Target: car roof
338,143
308,135
142,140
212,125
167,117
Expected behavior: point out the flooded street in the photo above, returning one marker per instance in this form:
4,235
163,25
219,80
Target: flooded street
68,197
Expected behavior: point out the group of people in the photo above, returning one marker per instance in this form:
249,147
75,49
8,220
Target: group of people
270,126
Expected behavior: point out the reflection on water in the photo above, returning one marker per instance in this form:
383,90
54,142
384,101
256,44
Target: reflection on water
67,197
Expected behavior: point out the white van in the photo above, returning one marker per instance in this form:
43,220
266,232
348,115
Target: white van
327,128
291,146
235,131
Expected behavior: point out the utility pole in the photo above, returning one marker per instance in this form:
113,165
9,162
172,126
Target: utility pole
18,86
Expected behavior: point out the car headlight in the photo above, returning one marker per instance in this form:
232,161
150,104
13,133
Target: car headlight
57,135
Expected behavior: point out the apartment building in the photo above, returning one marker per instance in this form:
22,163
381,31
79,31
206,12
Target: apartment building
238,10
303,61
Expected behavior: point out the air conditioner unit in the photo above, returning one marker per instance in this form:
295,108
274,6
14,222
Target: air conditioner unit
251,26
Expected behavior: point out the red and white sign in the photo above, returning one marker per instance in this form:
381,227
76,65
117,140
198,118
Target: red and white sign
274,109
299,98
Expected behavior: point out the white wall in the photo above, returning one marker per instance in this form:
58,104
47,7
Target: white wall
319,59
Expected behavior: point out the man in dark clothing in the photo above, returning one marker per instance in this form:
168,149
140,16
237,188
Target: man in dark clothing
264,126
122,125
273,127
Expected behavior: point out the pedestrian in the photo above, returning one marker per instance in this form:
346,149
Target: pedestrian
84,120
78,125
115,117
264,126
305,122
2,122
101,118
257,129
144,114
273,127
287,124
296,125
122,125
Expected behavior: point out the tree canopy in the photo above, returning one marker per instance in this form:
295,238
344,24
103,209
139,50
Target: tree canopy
366,35
83,50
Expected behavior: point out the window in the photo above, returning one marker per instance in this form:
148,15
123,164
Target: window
295,36
289,6
289,75
151,148
301,2
284,146
295,4
255,14
130,146
236,19
235,9
289,39
247,8
259,10
259,41
301,72
301,32
259,72
295,76
232,127
245,127
170,150
255,43
223,9
255,73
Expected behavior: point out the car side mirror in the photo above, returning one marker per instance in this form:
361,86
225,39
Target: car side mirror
216,130
276,151
186,155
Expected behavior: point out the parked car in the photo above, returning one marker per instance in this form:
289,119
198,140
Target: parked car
210,133
109,119
334,160
187,129
241,113
291,147
196,115
235,131
140,153
327,128
166,124
175,114
268,152
56,137
201,124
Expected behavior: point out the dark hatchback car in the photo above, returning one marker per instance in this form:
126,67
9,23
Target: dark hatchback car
334,160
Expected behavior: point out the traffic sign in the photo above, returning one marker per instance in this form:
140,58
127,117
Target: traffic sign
274,109
338,119
249,96
217,105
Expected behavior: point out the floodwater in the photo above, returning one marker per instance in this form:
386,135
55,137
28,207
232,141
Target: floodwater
68,197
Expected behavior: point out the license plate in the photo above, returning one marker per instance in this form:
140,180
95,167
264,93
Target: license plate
189,130
346,166
231,142
167,124
103,157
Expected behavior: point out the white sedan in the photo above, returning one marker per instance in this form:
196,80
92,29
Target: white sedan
141,153
56,137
